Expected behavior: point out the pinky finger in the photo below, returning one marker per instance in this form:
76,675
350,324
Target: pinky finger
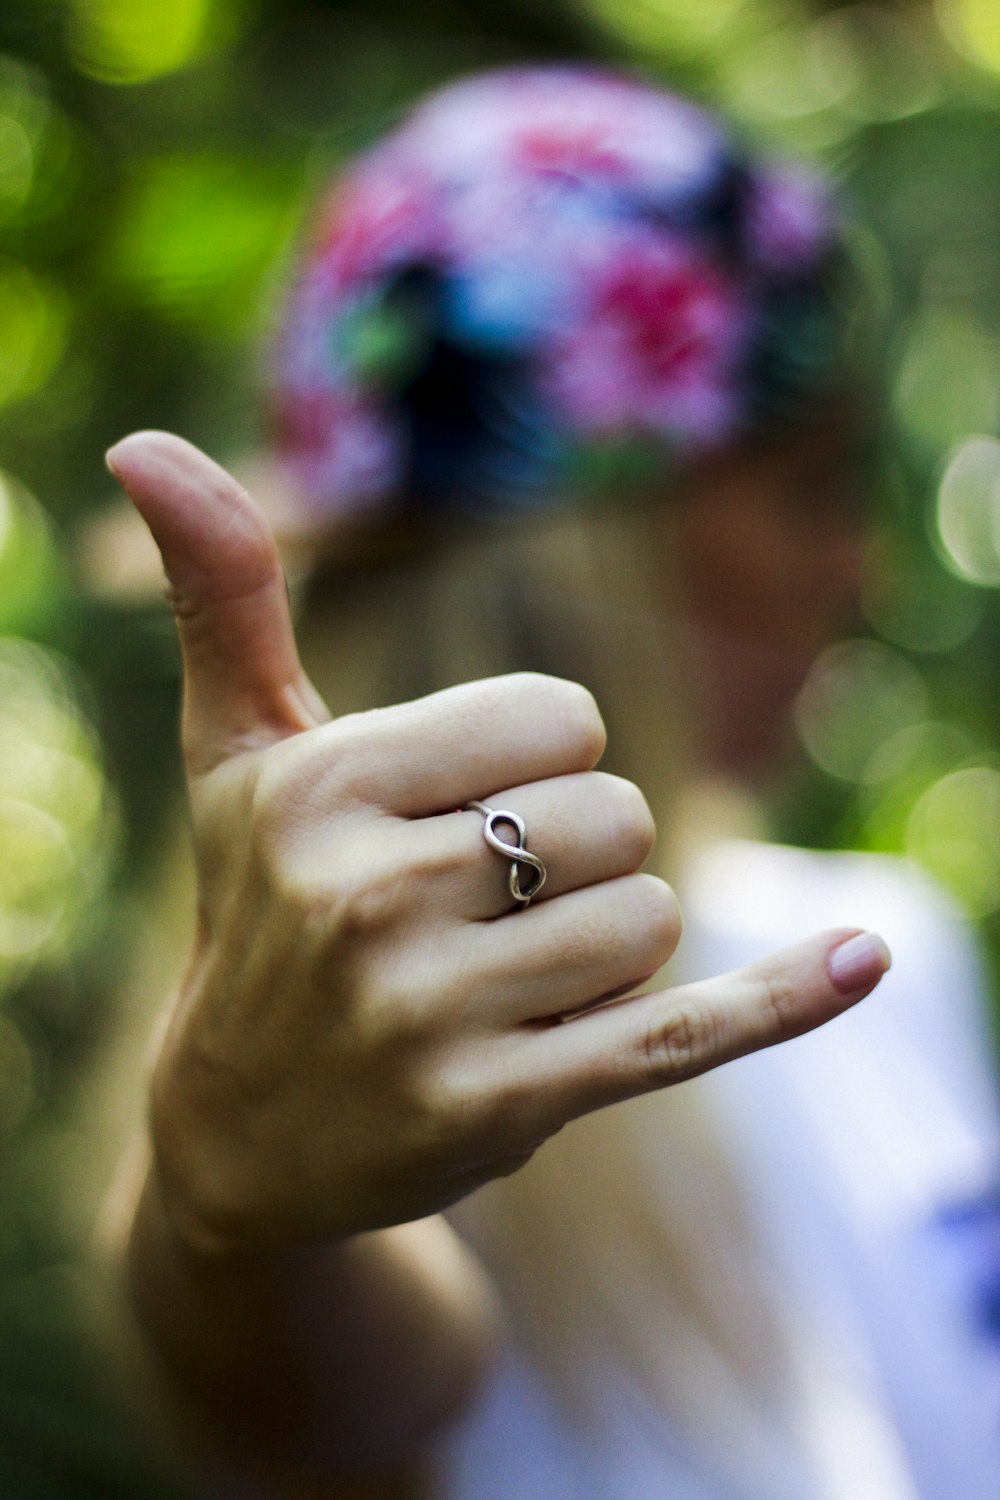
651,1041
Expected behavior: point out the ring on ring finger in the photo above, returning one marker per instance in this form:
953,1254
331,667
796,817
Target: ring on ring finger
519,855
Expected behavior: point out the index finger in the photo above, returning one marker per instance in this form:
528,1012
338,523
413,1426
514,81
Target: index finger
435,754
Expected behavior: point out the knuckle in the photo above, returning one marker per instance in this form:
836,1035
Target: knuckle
493,1122
581,723
402,1027
455,1100
775,1000
581,938
280,797
268,793
376,900
306,777
293,889
284,856
633,828
570,709
394,1024
637,930
497,1116
367,889
681,1045
349,768
448,1110
392,876
276,860
335,898
659,914
477,1095
415,1105
337,760
429,861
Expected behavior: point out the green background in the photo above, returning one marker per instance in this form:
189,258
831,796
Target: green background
154,162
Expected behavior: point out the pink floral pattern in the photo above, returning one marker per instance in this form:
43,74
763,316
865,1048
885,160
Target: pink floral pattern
607,235
656,348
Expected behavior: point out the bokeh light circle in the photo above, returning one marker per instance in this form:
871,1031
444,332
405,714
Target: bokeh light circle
968,511
858,695
954,830
57,825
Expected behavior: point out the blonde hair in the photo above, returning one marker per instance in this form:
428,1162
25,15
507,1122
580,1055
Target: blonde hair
598,1253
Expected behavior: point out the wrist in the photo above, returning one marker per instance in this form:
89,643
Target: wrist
200,1193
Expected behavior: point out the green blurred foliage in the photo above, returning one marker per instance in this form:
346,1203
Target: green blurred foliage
155,156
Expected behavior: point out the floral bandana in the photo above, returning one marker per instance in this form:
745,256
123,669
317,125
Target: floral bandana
546,278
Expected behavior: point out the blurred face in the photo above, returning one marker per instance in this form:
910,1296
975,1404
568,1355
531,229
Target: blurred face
767,542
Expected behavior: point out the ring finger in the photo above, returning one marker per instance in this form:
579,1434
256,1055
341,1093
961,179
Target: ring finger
585,828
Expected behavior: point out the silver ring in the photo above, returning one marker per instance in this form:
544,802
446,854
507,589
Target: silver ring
516,853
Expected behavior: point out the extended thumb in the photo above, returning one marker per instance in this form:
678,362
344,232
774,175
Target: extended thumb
244,685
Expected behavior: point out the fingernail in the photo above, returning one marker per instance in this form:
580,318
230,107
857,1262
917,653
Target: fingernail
113,453
858,963
111,457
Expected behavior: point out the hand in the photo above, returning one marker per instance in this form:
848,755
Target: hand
367,1031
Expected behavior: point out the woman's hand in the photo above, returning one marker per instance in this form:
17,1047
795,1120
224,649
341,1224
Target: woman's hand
367,1030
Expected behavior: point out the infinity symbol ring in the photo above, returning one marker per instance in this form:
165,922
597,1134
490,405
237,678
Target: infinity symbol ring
518,855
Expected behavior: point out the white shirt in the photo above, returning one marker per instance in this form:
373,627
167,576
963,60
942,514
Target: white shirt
871,1153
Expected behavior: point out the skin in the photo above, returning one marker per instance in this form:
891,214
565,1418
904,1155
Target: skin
768,542
366,1031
